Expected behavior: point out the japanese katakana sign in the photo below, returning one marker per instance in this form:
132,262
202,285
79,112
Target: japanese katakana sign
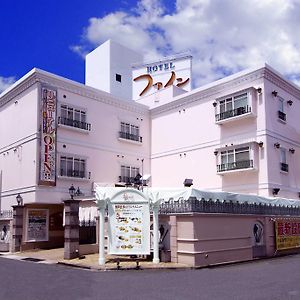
149,78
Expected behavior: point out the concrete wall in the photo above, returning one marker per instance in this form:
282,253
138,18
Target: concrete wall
210,239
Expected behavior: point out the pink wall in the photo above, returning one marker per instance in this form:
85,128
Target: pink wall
209,239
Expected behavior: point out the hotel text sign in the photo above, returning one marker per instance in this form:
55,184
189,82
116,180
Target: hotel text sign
129,224
160,67
156,76
287,233
48,137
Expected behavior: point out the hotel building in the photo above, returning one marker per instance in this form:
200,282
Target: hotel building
239,134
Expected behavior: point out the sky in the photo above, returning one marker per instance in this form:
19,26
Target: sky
223,36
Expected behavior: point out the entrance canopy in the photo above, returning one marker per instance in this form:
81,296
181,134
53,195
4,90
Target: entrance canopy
165,194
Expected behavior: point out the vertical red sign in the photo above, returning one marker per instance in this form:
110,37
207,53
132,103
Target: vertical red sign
48,137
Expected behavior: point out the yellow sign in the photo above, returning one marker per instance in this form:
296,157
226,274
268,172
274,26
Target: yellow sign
287,233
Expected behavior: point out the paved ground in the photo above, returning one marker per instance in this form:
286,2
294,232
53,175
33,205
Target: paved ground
90,261
266,279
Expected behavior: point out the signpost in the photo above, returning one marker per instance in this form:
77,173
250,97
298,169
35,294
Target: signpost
128,224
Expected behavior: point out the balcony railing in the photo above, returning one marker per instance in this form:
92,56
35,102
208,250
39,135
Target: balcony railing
6,214
129,136
281,115
72,173
126,179
237,165
284,167
74,123
233,113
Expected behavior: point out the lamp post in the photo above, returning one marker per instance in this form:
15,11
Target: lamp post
72,191
19,199
142,174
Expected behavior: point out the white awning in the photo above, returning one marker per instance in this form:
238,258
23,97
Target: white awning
165,194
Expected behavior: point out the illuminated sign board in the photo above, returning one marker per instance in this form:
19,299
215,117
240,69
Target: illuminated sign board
148,78
287,233
47,172
129,224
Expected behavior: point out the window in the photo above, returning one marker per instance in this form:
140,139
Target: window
233,106
73,117
130,132
72,167
283,161
128,174
118,78
281,113
235,159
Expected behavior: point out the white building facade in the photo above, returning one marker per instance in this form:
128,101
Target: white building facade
239,134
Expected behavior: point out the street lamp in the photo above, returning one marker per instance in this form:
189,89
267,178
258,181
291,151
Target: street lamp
72,191
78,192
19,199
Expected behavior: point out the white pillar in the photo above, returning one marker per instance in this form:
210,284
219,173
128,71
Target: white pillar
101,207
155,233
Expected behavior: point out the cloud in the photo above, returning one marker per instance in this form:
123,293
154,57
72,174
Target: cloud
6,82
224,36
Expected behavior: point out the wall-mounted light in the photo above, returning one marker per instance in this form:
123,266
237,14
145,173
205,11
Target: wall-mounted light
274,93
292,150
275,191
277,145
260,144
72,191
214,104
259,90
188,182
19,200
290,102
216,152
78,192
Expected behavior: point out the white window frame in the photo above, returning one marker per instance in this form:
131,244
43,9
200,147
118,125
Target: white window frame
70,109
283,158
73,159
230,100
281,109
127,127
281,104
129,171
234,151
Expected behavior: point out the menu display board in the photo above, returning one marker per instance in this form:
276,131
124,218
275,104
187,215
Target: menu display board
129,224
37,225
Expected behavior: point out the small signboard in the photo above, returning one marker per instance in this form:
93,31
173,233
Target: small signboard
287,233
129,223
37,225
